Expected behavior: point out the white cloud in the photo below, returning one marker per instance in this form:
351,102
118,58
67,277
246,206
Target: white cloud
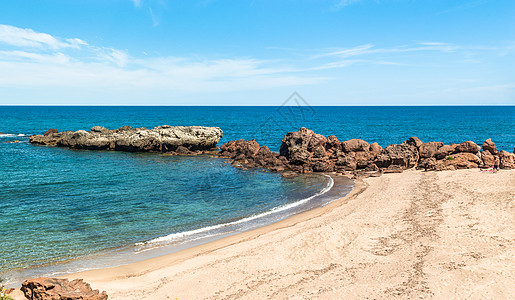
21,37
137,3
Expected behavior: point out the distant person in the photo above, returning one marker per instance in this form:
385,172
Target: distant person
496,164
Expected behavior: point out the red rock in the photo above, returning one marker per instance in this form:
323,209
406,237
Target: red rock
405,156
467,147
428,150
414,141
507,160
44,288
239,149
375,148
332,143
50,131
355,145
489,146
298,146
444,151
488,159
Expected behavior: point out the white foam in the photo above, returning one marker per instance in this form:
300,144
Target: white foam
179,235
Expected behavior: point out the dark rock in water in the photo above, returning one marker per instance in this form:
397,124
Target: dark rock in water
428,150
289,174
45,288
239,149
467,147
50,131
160,139
404,155
489,146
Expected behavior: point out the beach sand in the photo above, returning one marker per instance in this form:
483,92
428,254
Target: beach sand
442,235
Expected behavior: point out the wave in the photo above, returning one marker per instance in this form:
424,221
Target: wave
12,135
182,235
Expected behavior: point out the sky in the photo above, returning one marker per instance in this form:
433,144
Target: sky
257,52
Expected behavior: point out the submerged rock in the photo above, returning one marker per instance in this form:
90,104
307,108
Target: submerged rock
160,139
45,288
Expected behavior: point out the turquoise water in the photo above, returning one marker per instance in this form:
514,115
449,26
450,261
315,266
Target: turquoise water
57,205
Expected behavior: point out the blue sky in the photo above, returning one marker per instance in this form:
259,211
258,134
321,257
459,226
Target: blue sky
240,52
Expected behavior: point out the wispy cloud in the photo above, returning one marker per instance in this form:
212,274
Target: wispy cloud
21,37
95,66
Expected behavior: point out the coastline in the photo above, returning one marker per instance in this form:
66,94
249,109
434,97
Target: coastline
416,234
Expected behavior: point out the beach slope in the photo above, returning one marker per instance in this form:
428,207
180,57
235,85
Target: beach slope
443,235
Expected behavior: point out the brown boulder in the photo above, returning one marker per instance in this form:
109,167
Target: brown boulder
467,147
444,151
355,145
298,146
375,148
507,160
239,149
404,155
487,158
50,131
45,288
428,150
332,143
414,141
489,146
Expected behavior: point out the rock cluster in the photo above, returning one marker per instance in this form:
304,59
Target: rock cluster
179,139
45,288
305,151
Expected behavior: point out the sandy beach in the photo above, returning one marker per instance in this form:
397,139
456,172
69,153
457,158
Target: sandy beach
441,235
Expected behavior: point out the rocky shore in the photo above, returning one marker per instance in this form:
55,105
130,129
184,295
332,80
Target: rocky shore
176,140
305,151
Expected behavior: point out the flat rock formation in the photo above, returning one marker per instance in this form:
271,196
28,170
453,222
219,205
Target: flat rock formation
305,151
178,139
45,288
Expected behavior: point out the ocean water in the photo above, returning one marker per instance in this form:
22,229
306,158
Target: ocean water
66,210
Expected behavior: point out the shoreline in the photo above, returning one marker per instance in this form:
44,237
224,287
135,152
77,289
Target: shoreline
148,265
412,234
144,251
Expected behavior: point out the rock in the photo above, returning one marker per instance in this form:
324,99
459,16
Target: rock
467,147
393,169
430,149
489,146
444,151
100,129
355,145
44,288
159,139
183,150
507,160
414,141
405,156
375,148
50,131
428,164
289,174
323,166
487,159
298,146
240,148
462,160
333,143
12,142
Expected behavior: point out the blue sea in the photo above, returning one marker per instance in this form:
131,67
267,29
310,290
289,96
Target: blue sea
66,210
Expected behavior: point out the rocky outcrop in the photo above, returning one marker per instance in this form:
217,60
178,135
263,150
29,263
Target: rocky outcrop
305,151
45,288
50,131
159,139
489,146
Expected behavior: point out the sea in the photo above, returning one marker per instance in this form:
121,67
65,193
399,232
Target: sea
65,211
